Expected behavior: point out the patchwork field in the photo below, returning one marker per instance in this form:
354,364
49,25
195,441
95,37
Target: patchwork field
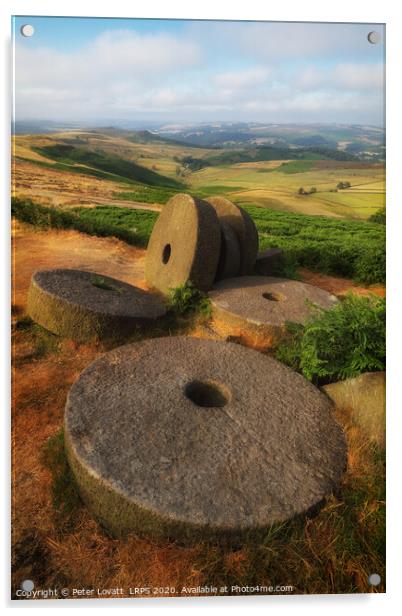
90,168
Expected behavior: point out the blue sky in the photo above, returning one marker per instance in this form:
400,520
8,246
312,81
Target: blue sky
178,71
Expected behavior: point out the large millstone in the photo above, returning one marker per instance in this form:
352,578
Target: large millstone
184,245
261,305
244,227
185,438
83,305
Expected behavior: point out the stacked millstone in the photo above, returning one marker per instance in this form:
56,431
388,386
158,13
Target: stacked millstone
200,241
84,305
182,438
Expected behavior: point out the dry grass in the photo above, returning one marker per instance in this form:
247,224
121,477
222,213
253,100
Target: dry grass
56,542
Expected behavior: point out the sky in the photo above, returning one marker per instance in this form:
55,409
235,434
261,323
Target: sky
182,71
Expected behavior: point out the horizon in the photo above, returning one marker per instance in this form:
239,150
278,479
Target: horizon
93,70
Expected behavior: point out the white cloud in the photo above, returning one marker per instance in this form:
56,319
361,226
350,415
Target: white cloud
122,73
298,41
116,63
354,77
237,80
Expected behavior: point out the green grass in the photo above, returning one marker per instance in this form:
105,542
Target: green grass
340,247
138,224
131,226
186,300
69,154
339,343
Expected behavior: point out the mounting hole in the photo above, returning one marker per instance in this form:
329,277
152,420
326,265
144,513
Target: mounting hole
167,251
273,297
27,30
373,37
374,579
207,393
28,585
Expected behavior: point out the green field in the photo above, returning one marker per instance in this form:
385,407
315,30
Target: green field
153,169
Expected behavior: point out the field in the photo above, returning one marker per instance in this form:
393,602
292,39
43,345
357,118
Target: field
98,168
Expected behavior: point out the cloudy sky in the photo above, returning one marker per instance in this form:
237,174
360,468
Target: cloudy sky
197,71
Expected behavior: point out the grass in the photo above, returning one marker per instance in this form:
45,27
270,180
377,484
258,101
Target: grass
109,163
42,342
65,498
339,247
186,300
82,170
295,166
131,226
339,343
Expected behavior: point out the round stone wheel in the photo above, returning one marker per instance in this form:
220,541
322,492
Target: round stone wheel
184,245
229,259
84,305
183,438
244,227
259,306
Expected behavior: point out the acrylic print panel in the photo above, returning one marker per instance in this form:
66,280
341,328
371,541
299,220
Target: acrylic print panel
198,308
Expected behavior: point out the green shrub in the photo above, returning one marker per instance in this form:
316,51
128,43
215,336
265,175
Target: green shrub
187,299
340,247
379,216
338,343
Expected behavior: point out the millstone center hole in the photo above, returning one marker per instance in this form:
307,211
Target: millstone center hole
273,297
167,251
207,393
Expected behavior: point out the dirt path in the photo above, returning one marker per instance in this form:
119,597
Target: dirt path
339,286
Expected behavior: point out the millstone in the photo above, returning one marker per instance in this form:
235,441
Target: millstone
184,245
244,227
186,438
83,305
261,305
229,259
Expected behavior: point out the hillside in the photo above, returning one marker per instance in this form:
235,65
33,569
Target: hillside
112,166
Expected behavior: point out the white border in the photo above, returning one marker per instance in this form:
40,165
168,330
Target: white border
287,10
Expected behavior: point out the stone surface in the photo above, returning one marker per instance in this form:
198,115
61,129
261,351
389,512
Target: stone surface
261,305
184,245
244,227
186,438
364,398
268,260
83,305
229,258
